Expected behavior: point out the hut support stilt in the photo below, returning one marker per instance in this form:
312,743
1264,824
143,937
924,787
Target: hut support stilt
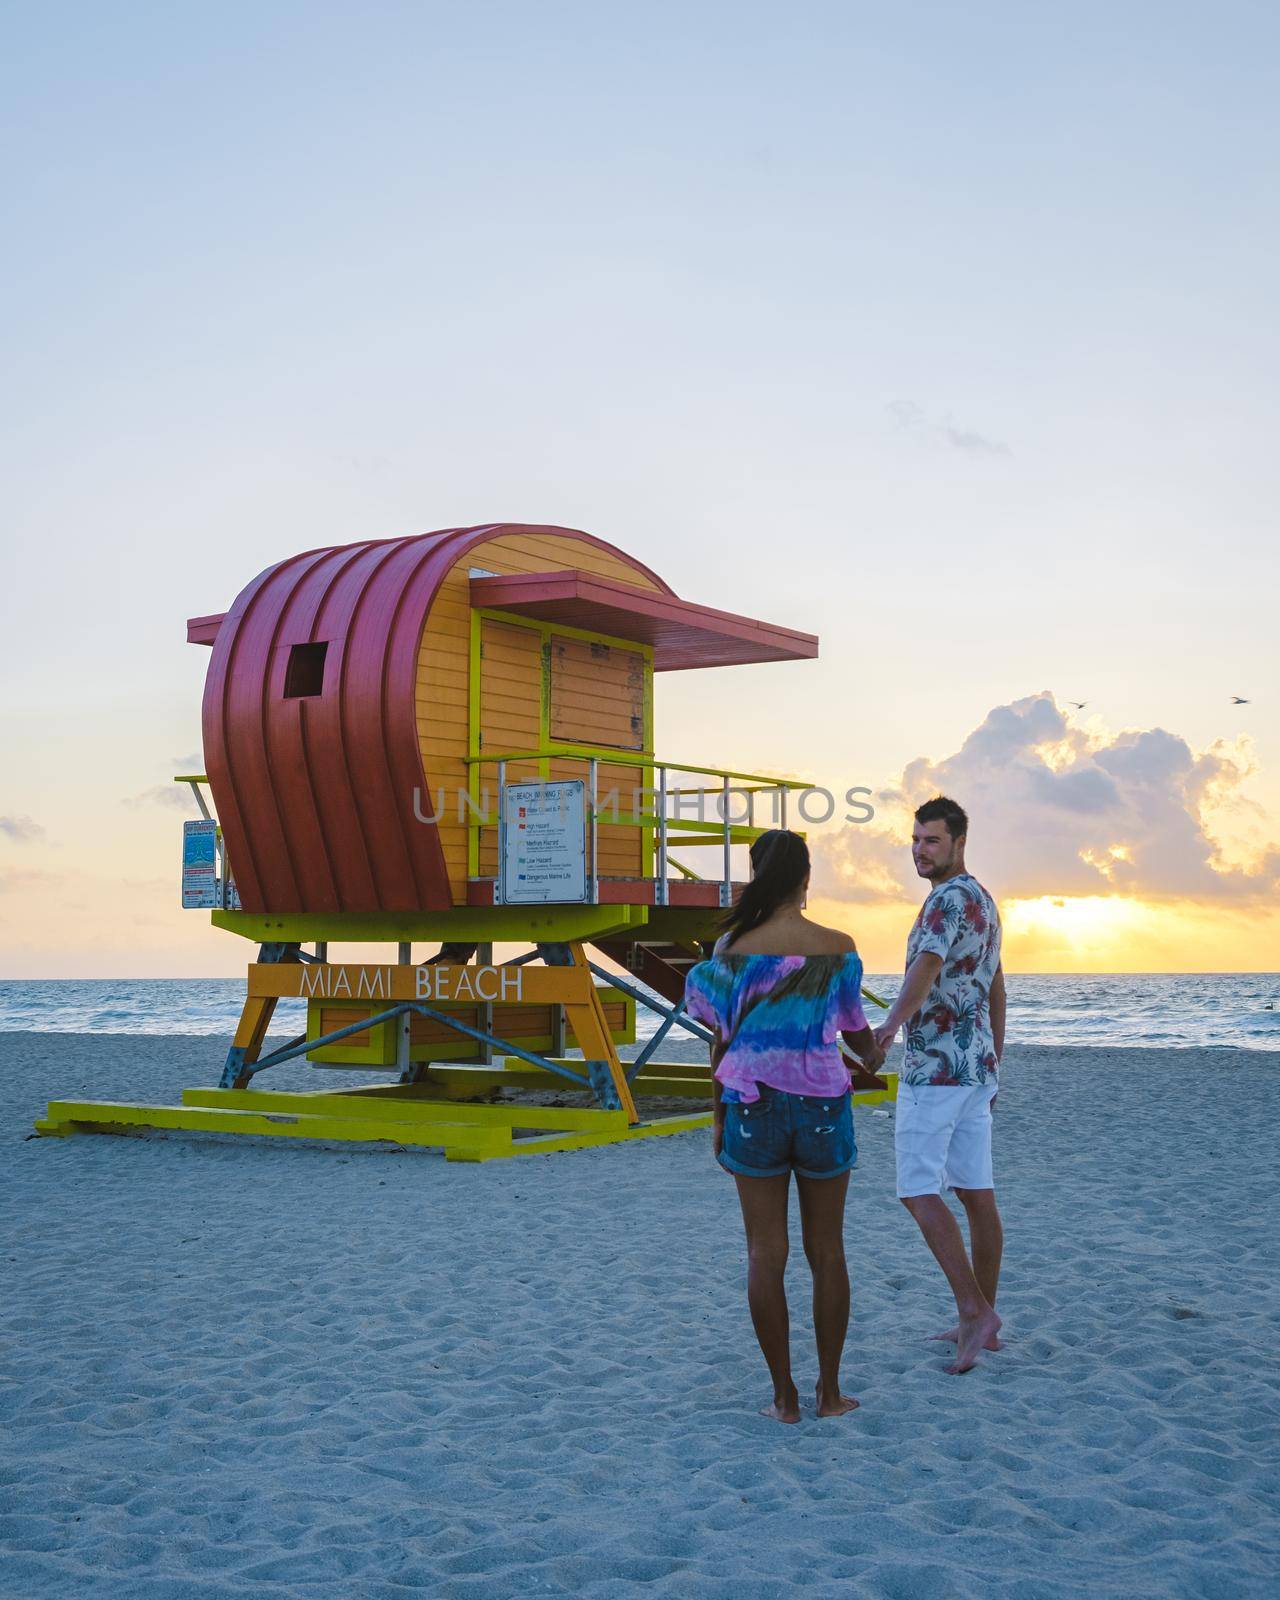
255,1019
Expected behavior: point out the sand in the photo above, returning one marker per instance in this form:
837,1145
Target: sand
241,1369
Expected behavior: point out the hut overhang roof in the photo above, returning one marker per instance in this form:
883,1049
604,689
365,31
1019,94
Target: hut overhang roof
682,634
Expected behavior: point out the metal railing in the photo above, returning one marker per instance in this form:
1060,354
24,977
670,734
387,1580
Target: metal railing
723,832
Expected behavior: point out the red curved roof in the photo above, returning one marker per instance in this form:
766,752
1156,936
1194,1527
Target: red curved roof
315,794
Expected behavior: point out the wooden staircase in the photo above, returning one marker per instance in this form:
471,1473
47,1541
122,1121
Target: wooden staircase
660,963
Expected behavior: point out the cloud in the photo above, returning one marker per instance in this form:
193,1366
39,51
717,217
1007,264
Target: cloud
175,796
943,431
975,443
21,829
17,879
1057,809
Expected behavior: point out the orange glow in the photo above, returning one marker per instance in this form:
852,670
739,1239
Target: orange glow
1088,933
1079,922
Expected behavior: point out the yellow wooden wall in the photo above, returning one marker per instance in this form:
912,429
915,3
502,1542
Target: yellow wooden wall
527,1025
510,693
441,702
597,693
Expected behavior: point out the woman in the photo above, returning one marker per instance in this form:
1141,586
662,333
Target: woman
776,991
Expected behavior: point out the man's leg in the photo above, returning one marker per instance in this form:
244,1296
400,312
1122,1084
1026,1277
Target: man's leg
822,1219
978,1320
764,1215
986,1238
986,1244
924,1126
969,1175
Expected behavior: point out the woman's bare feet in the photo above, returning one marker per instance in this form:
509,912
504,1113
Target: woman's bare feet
785,1407
839,1407
952,1336
974,1334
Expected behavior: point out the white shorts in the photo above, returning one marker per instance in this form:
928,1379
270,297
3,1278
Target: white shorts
942,1138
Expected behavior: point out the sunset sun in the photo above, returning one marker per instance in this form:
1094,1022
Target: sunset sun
1082,922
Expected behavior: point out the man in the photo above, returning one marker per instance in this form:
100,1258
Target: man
952,1001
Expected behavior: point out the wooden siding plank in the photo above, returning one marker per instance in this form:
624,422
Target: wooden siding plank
511,707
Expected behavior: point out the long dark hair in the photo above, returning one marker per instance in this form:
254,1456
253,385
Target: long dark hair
779,865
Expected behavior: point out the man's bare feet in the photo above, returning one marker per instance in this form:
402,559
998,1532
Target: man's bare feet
952,1336
839,1407
785,1407
974,1333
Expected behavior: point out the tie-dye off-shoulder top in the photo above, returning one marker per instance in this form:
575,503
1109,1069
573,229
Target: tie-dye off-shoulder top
782,1015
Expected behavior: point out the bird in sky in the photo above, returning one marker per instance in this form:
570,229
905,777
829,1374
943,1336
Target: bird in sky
1236,700
1078,704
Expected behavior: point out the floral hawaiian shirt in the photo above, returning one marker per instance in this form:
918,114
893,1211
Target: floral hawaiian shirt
949,1039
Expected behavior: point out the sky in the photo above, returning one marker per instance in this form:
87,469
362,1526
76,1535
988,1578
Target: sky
946,333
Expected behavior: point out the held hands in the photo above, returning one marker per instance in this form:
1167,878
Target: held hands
862,1077
864,1060
864,1046
885,1037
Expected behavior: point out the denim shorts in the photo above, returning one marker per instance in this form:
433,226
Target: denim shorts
808,1134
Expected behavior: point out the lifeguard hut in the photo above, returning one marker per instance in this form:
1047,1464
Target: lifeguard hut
450,737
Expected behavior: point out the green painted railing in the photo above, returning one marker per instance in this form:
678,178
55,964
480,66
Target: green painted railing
724,831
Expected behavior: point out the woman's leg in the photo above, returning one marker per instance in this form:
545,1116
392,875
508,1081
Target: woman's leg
822,1219
764,1214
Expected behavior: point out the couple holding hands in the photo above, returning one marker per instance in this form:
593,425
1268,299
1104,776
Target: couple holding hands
778,993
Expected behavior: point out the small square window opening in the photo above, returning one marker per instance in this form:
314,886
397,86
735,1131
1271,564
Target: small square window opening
304,674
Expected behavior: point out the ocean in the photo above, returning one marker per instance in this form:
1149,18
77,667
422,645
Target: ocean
1222,1010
